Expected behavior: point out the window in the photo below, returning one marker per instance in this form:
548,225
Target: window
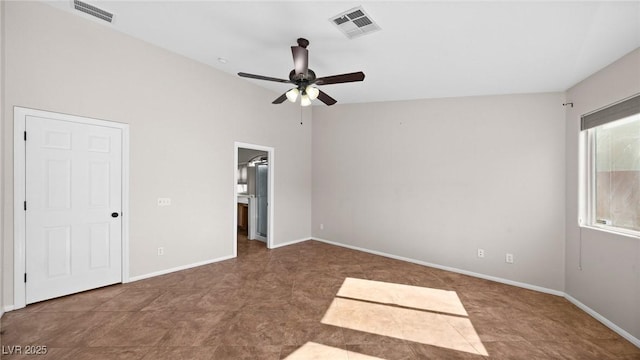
613,167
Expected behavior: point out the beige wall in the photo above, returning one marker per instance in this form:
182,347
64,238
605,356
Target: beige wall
609,281
434,180
184,117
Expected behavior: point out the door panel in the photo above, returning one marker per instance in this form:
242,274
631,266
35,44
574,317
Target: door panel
99,143
57,140
100,244
58,251
58,190
73,184
99,187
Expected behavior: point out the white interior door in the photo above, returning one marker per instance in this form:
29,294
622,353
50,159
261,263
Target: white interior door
73,192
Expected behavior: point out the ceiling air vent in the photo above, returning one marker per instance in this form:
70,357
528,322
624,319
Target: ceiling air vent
92,10
355,22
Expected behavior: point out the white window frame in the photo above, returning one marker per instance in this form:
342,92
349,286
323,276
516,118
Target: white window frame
587,192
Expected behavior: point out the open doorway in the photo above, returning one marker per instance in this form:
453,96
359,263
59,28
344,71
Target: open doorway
253,195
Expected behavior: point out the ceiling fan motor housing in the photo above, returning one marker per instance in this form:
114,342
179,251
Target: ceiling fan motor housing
302,80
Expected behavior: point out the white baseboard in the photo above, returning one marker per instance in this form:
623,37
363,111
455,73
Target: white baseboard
447,268
8,308
206,262
291,243
635,341
178,268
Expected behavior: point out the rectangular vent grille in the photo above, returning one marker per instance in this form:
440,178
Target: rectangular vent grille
356,14
341,20
93,11
354,22
363,21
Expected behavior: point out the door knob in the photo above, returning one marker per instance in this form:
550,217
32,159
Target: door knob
114,215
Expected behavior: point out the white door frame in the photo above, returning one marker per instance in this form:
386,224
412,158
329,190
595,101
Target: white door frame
19,190
270,194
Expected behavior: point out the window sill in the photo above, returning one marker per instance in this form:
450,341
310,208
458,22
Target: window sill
626,233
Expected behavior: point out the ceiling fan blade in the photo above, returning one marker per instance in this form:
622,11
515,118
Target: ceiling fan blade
322,96
342,78
281,99
300,59
260,77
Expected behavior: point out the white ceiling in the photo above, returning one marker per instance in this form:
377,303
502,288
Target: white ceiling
424,50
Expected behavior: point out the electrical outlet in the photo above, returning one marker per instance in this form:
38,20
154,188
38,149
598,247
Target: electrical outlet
321,226
160,251
164,201
508,258
480,253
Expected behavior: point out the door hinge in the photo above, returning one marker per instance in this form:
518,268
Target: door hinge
25,206
25,277
25,136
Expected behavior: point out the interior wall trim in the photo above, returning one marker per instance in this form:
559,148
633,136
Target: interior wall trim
606,322
179,268
271,197
275,246
447,268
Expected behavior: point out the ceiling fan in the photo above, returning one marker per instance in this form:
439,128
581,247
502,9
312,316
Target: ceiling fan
304,79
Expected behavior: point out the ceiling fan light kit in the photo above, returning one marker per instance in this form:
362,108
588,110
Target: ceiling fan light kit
303,78
292,95
305,100
313,92
308,94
